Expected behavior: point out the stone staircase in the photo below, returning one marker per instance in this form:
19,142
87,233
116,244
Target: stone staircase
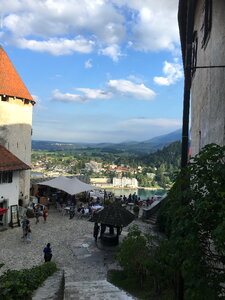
93,290
152,219
60,286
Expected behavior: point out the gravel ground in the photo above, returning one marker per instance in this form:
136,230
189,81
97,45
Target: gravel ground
73,247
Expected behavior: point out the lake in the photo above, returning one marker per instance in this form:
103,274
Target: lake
37,174
142,193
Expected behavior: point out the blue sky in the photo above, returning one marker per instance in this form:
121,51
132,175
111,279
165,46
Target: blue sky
99,70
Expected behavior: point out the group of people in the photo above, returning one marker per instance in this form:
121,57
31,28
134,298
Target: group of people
102,229
97,229
26,227
40,211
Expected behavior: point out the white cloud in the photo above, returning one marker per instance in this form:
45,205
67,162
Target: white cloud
95,94
153,24
112,51
129,89
88,64
144,25
135,78
152,122
114,89
173,72
38,104
56,46
67,97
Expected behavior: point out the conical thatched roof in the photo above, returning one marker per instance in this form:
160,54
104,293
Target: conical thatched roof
113,214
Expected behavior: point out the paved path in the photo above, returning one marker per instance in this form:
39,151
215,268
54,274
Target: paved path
73,247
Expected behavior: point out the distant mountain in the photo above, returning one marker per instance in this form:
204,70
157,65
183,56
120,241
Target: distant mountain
147,146
151,145
166,138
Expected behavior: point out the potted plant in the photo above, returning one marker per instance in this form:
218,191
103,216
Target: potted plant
136,210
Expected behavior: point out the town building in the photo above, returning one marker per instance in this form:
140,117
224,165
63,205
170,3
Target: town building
202,34
16,105
125,182
93,166
101,182
10,170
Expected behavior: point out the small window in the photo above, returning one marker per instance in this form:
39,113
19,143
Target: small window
6,177
5,98
206,21
194,53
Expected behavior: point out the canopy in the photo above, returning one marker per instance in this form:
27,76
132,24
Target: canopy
113,214
70,186
3,211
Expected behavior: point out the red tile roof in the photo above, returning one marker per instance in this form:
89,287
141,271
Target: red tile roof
9,162
10,82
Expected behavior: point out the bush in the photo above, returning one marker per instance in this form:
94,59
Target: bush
134,254
192,218
136,209
20,284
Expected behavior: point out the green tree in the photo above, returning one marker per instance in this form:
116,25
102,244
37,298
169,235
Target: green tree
193,219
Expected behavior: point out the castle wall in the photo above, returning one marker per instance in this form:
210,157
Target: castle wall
208,87
15,135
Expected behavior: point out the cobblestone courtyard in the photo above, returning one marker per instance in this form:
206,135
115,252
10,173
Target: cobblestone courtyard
73,247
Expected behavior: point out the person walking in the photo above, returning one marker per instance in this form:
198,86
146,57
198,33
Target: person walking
96,231
23,225
27,235
45,214
37,212
47,253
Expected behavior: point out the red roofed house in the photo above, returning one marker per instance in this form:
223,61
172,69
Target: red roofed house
10,169
16,105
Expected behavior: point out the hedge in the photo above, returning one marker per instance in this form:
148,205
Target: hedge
20,284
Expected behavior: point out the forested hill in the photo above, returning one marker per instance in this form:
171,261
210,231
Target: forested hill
169,155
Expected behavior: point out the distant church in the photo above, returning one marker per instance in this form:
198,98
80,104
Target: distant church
16,105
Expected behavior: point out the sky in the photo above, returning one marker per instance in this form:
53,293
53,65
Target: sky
99,70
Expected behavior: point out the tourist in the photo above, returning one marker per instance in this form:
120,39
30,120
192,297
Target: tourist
23,225
37,212
96,231
45,213
27,235
47,253
130,198
134,197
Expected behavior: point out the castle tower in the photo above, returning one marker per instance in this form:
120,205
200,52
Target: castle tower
16,118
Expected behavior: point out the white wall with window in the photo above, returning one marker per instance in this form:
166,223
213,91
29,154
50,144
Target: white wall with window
9,191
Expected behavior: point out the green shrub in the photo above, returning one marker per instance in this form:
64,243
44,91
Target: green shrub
136,209
193,219
20,284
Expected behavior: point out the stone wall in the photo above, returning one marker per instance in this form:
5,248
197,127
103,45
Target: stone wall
208,88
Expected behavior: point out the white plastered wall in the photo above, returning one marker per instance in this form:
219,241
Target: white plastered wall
15,135
10,193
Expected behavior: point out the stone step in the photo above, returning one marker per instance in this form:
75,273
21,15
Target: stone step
94,290
152,219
